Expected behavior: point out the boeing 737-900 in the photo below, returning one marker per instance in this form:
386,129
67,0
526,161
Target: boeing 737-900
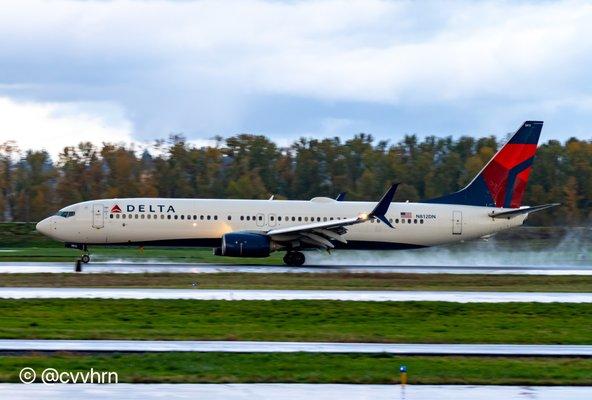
490,203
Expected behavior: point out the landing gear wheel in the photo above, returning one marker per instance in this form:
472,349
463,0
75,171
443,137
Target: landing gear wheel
294,258
85,258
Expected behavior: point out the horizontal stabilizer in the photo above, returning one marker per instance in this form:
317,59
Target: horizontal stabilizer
521,211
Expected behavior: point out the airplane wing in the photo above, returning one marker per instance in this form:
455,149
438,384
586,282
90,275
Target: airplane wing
521,211
321,234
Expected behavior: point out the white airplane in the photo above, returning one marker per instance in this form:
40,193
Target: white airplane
490,203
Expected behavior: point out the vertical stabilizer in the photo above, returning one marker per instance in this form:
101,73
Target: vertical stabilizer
502,182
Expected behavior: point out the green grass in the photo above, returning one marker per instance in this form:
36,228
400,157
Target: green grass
309,368
335,321
174,254
309,281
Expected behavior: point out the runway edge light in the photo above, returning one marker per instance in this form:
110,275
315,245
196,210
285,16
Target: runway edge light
403,370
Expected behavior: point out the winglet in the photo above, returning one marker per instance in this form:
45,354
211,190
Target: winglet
384,204
340,196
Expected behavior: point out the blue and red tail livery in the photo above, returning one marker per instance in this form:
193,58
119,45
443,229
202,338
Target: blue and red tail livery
502,182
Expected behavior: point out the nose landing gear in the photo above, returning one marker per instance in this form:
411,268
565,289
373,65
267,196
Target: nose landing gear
85,258
294,258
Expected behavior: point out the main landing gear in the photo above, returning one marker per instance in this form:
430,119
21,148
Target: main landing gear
294,258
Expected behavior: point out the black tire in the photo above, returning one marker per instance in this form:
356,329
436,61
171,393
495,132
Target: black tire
294,258
299,258
85,258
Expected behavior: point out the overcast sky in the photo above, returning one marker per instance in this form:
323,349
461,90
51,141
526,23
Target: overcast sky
139,70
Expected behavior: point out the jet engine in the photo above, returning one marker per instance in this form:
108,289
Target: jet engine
244,244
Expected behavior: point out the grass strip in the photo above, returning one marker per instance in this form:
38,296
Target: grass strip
303,281
334,321
309,368
149,254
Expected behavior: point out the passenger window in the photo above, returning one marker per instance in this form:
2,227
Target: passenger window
421,221
123,216
168,216
248,217
143,216
161,216
293,218
242,218
201,217
271,218
208,217
182,217
117,216
279,218
409,221
415,221
396,220
111,216
136,216
318,219
176,216
229,217
215,218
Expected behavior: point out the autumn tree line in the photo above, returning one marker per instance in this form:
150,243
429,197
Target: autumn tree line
33,186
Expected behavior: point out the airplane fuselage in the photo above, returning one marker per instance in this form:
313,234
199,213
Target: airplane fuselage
203,222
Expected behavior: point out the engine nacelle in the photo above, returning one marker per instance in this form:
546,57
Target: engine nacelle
245,244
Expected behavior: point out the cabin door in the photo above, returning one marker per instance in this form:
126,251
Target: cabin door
457,222
98,216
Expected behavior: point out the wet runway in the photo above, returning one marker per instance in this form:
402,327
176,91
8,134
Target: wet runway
343,295
293,347
276,391
155,266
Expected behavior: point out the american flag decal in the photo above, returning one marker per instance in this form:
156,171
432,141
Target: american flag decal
405,215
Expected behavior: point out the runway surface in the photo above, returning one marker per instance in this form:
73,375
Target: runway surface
294,347
344,295
155,266
276,391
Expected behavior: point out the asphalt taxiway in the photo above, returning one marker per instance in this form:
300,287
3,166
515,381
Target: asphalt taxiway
510,350
274,391
156,266
343,295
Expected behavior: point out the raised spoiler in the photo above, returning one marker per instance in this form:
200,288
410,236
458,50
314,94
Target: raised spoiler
521,211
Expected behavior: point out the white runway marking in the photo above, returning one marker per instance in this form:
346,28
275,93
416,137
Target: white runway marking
160,267
294,347
344,295
275,391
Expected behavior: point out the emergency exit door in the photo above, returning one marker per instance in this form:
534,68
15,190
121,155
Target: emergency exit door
457,222
98,216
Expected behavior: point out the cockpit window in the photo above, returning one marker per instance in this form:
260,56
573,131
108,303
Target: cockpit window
66,214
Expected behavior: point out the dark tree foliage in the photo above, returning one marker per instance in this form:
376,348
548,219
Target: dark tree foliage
33,186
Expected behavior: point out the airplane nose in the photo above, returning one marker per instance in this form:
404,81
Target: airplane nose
43,226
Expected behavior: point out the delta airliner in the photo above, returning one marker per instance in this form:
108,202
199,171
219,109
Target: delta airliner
490,203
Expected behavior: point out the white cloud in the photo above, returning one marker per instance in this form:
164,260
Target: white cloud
202,67
52,126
